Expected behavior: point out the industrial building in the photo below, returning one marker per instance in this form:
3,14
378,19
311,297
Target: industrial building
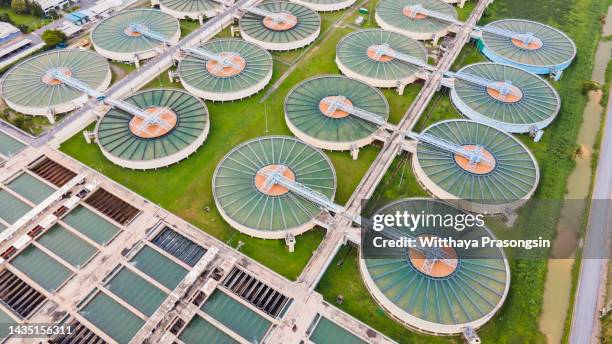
438,296
8,32
534,47
252,205
417,19
32,88
121,36
374,57
189,9
326,5
280,25
501,176
181,126
48,5
515,101
225,70
319,111
9,146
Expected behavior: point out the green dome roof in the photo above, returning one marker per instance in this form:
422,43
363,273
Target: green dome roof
514,176
353,48
236,190
193,71
556,48
115,136
191,6
303,111
308,22
538,102
110,34
472,291
392,13
25,84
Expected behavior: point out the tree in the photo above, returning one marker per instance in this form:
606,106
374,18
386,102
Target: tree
53,37
5,17
53,14
35,9
19,6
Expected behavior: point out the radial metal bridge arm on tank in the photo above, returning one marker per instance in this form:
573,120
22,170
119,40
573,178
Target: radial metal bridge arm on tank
275,16
525,37
338,103
149,118
143,30
504,87
430,253
475,156
76,84
414,10
276,177
386,50
210,56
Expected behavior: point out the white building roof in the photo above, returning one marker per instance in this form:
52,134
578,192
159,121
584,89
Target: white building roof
46,4
103,6
7,29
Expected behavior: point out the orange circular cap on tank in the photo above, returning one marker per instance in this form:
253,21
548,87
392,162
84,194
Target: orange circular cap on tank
289,22
132,33
439,267
513,94
482,167
324,106
372,54
236,67
275,189
408,11
533,44
166,121
48,79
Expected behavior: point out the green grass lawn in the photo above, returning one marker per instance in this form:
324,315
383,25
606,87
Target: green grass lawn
120,70
33,22
188,184
188,26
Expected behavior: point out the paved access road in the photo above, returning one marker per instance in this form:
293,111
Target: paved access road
593,272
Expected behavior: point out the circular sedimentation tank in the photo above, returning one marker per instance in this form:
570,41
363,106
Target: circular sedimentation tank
180,127
193,9
399,16
535,47
326,5
300,27
312,119
504,179
356,57
517,101
256,208
30,87
117,37
448,295
250,72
